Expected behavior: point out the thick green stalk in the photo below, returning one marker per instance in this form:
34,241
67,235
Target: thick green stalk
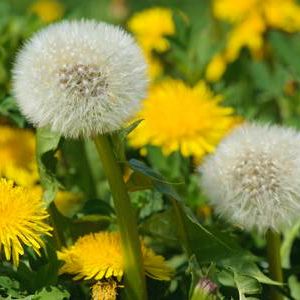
274,259
135,283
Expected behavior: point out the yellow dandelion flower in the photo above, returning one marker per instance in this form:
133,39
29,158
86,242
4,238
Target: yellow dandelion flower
248,33
21,220
17,152
98,256
151,26
282,14
250,20
47,10
179,117
233,10
215,68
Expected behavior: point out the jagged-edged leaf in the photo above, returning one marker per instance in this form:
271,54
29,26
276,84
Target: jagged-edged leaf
47,145
51,293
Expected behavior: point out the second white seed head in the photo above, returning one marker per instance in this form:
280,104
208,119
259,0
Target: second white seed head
80,78
253,178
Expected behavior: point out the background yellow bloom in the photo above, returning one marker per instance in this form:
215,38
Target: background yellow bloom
47,10
21,220
150,28
233,10
179,117
216,68
250,20
17,152
248,33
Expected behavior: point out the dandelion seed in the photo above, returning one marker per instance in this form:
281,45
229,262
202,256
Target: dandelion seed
80,78
253,178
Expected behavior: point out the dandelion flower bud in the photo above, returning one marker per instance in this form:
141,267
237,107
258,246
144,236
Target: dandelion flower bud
80,78
253,178
205,290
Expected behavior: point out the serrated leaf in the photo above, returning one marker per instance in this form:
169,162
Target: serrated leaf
51,293
10,286
246,285
244,266
47,145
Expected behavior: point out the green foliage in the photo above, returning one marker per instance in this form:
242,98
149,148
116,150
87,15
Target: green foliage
164,190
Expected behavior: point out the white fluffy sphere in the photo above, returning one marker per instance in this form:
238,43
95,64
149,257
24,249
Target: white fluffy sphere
80,78
253,178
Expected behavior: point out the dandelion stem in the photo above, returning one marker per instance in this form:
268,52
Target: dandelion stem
135,284
273,253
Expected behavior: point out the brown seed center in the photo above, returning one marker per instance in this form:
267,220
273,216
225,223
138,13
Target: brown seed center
82,80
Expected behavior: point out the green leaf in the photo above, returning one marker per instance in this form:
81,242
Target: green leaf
286,48
246,266
47,145
79,172
76,227
209,245
10,287
138,182
9,108
289,236
44,268
88,224
51,293
126,131
118,139
246,285
162,226
294,285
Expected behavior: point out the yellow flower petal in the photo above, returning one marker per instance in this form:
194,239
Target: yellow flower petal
98,256
179,117
21,212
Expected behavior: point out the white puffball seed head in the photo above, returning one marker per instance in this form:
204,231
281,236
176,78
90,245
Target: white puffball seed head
253,178
80,78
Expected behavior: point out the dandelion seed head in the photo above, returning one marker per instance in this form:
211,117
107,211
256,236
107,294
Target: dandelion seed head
253,178
80,78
